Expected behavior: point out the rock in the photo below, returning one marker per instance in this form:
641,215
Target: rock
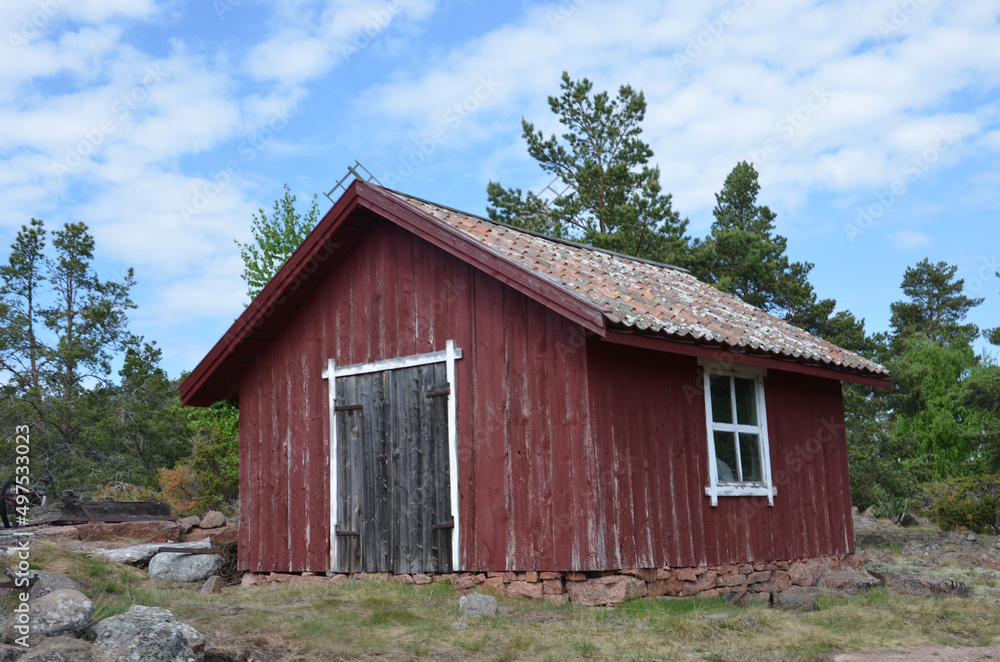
213,586
477,604
48,582
459,626
188,523
145,633
781,580
971,537
141,554
229,533
869,512
57,533
523,589
997,543
908,520
854,511
57,649
213,519
228,654
703,582
60,612
810,591
9,653
746,599
686,574
253,579
152,531
851,582
793,602
805,574
607,590
184,567
913,584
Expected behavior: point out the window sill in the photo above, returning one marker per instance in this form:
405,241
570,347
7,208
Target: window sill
738,490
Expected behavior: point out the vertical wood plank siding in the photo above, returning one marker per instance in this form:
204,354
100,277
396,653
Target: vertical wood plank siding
651,435
573,454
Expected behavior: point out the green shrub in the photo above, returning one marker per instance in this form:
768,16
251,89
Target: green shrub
971,503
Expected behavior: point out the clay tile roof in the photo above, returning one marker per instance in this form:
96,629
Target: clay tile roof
648,297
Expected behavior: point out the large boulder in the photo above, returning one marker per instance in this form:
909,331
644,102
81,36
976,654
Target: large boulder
610,590
188,523
47,582
477,604
57,649
851,582
60,612
150,531
213,519
912,584
179,567
145,633
226,534
142,554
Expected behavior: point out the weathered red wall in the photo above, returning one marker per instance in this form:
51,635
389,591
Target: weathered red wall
397,295
650,429
574,454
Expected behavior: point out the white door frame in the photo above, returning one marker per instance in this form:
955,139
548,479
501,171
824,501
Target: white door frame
449,355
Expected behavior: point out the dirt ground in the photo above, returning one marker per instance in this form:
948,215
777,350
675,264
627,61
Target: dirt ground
924,654
949,555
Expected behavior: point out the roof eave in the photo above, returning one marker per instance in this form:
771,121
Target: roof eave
264,304
742,355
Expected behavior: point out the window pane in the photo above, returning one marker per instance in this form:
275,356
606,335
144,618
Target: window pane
722,410
746,401
725,457
750,457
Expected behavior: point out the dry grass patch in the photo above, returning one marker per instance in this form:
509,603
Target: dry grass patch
388,620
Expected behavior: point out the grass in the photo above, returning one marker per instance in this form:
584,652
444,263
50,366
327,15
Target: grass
387,620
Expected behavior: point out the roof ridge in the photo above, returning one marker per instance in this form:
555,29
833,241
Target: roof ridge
539,235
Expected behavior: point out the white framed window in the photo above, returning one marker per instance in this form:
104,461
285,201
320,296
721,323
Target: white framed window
739,460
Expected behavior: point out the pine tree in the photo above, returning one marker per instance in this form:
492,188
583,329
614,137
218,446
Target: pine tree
613,197
936,307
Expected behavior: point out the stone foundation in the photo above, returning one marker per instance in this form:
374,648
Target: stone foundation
614,587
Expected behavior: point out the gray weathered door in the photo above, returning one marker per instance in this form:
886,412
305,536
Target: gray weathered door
394,491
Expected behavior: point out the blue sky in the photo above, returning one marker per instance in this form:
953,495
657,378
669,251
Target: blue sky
165,124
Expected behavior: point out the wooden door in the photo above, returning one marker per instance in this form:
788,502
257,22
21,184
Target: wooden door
393,483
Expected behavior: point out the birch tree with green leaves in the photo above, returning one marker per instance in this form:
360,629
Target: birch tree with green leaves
275,238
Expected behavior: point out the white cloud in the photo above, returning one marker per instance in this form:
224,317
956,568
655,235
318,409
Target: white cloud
752,81
991,140
316,36
906,239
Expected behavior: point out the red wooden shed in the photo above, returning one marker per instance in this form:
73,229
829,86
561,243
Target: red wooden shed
424,390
